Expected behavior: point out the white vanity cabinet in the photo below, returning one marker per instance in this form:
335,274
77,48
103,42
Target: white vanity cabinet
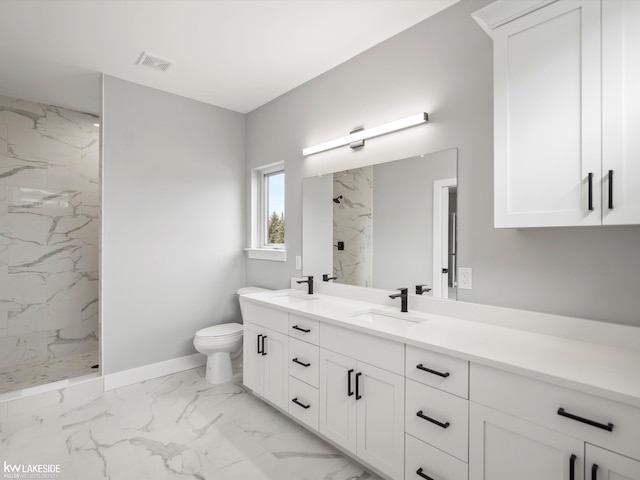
362,403
528,429
436,415
265,355
565,97
265,352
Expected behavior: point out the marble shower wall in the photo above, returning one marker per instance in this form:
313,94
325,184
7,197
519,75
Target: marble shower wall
352,225
49,216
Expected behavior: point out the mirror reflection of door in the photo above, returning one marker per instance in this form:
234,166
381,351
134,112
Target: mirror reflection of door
444,237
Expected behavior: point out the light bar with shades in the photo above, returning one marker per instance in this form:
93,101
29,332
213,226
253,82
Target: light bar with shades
368,133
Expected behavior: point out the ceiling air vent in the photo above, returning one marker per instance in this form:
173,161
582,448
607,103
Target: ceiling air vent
154,62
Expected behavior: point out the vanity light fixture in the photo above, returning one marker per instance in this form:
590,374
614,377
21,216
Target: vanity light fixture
359,135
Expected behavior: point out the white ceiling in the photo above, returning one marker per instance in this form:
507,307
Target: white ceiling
237,54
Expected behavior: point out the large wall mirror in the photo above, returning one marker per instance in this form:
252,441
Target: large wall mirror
385,226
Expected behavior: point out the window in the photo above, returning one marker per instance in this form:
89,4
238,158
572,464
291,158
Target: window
273,211
268,213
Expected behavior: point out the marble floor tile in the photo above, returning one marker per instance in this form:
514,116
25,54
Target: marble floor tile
33,374
174,427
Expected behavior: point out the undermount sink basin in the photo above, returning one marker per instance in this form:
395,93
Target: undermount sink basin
290,298
387,319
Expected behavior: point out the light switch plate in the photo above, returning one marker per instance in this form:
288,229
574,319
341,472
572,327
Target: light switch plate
298,262
465,280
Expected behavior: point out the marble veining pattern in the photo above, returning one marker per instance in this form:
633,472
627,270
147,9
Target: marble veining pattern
173,427
19,377
49,216
352,218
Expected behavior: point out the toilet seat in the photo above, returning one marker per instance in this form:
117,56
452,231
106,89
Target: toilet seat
222,330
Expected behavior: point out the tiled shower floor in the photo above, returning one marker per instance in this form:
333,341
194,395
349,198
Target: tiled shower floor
40,373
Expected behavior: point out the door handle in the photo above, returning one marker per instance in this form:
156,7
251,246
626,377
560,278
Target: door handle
572,467
349,391
358,396
264,352
259,337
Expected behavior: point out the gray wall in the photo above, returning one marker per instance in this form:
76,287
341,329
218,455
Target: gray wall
443,66
173,198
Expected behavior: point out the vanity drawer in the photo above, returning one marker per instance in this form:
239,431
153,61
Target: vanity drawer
440,371
376,351
431,462
437,418
540,402
306,329
304,361
268,317
303,402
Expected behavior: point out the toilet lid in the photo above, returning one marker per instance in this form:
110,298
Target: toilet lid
222,330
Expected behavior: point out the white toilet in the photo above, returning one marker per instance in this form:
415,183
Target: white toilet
219,343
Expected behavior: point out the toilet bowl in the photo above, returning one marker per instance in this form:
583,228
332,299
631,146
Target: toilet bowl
219,343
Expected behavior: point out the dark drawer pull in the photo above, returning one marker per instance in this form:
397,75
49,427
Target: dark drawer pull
349,390
420,473
608,427
590,182
432,420
610,189
425,369
572,467
295,360
358,396
264,352
305,330
259,337
594,472
295,400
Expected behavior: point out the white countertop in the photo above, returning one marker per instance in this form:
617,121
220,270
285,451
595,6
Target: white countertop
608,371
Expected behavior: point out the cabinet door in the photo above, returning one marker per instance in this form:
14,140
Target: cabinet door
609,465
380,406
252,358
502,447
337,399
276,368
548,117
620,106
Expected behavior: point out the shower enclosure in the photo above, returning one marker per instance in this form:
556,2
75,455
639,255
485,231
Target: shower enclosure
49,231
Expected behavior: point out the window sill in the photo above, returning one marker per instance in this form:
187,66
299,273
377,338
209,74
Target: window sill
273,254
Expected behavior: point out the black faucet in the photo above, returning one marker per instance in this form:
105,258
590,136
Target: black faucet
326,277
420,289
404,297
308,281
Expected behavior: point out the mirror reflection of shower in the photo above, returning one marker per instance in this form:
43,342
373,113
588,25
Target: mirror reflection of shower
49,170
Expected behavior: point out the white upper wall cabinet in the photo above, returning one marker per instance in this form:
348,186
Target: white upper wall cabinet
562,121
621,112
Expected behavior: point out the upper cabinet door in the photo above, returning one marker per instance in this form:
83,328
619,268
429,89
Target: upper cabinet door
547,92
621,112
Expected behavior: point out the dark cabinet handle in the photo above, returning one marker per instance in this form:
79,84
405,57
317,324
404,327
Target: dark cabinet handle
594,472
295,400
259,337
425,369
296,327
358,396
420,473
349,391
608,427
432,420
572,467
264,351
610,189
295,360
590,177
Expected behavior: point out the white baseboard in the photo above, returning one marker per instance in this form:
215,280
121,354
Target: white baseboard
147,372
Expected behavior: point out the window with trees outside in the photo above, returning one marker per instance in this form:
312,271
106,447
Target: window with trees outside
273,208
